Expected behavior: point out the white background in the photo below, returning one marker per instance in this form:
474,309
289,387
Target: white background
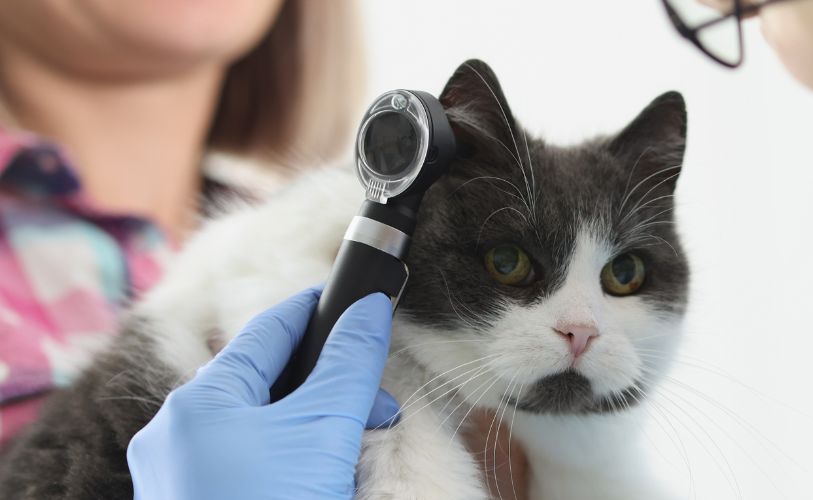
736,420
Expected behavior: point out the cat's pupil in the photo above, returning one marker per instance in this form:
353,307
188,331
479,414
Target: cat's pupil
624,269
506,259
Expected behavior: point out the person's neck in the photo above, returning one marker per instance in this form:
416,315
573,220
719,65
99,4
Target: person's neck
136,144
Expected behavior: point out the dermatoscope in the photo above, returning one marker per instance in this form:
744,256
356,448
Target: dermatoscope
404,144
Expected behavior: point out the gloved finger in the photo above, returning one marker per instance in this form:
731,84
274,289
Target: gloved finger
385,411
247,367
347,375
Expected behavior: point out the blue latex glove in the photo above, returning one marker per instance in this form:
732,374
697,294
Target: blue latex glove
217,437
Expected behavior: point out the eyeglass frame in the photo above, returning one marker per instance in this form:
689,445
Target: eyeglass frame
738,13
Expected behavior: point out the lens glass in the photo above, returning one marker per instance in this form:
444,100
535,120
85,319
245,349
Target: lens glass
390,143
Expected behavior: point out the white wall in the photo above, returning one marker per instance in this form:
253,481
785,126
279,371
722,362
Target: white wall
740,402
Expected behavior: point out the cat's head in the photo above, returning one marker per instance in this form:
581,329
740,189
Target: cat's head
551,277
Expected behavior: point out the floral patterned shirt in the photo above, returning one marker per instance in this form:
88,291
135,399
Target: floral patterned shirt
67,270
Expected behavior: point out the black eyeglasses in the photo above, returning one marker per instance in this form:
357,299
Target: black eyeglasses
717,31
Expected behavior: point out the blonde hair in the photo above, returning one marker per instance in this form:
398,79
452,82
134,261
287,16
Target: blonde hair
294,98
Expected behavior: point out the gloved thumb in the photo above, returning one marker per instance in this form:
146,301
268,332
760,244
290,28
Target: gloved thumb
348,373
384,413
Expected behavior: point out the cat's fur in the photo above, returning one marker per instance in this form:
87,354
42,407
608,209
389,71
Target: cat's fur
571,208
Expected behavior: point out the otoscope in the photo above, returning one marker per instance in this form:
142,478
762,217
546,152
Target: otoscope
404,144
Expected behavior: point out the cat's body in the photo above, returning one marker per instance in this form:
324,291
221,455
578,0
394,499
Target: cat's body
455,324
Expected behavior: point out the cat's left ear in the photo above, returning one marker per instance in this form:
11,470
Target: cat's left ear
477,108
655,142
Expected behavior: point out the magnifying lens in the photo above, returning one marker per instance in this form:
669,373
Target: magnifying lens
404,144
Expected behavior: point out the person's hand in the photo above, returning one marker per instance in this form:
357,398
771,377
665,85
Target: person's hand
217,436
788,29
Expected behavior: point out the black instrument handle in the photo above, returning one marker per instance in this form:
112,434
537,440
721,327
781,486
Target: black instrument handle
358,271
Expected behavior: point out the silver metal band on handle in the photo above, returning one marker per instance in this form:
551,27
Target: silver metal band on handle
378,235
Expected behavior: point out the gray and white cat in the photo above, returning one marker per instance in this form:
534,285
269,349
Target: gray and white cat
545,282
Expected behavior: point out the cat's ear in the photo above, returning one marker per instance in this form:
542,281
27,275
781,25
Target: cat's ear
655,142
477,108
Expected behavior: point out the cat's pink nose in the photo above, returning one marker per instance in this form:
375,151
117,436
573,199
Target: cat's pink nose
578,335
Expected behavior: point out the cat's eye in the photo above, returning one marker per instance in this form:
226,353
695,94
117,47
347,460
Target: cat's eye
509,265
623,275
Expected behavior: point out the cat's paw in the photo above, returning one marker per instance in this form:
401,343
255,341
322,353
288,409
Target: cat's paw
416,462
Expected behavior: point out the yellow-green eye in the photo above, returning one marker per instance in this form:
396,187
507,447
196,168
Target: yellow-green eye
623,275
509,265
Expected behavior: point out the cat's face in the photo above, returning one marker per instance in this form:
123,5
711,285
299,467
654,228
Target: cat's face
550,278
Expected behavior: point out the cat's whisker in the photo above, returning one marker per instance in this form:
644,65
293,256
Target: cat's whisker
612,401
655,336
449,400
761,438
727,434
115,377
518,196
494,379
657,238
678,444
495,212
714,370
766,443
462,115
408,404
533,195
635,229
510,437
644,180
404,349
462,400
640,207
452,301
419,389
500,401
629,178
656,186
656,223
507,123
476,326
727,470
676,440
478,371
478,320
488,435
533,180
665,412
639,403
507,398
150,401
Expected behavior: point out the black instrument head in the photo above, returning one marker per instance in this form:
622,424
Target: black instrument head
404,144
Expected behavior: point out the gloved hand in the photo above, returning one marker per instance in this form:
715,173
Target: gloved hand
217,437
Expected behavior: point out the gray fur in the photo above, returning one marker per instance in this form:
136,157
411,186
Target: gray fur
76,450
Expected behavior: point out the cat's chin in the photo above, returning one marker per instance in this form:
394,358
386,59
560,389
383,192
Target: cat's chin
569,392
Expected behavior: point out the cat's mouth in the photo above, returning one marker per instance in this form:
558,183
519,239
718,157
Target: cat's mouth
569,392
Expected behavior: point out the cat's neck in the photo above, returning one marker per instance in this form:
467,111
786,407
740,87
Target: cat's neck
585,456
